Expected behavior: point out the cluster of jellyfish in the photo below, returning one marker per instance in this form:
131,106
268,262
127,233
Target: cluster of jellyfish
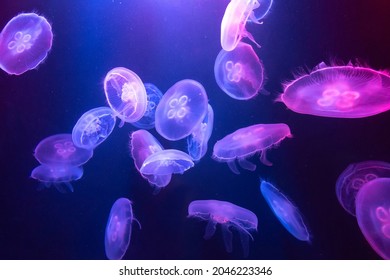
183,112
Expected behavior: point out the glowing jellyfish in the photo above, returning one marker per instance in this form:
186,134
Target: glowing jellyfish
339,91
263,9
233,22
93,128
373,214
125,94
24,43
199,138
118,229
57,175
59,149
166,162
246,142
239,73
154,96
181,109
142,145
354,177
286,212
229,216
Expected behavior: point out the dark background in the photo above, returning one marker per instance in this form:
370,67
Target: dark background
165,41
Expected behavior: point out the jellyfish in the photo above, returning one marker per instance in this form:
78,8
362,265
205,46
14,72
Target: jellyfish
59,149
199,138
373,214
245,142
154,96
57,175
142,145
118,229
93,128
165,162
239,73
233,22
286,212
229,216
24,43
125,94
339,91
181,109
354,177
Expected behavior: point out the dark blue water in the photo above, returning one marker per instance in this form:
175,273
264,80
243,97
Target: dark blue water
163,42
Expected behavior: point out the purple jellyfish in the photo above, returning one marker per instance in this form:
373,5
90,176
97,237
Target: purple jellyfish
125,94
373,214
239,73
233,22
57,175
93,128
354,177
59,149
339,92
286,212
24,43
228,215
142,145
181,109
118,229
246,142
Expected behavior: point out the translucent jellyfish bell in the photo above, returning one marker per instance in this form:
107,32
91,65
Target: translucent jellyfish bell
229,216
93,127
125,94
24,43
233,22
263,10
239,73
286,212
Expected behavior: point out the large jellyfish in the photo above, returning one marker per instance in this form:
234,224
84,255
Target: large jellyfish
354,177
373,214
181,109
233,22
118,229
142,145
286,212
228,215
246,142
199,138
346,91
24,43
239,73
93,128
125,94
57,175
59,149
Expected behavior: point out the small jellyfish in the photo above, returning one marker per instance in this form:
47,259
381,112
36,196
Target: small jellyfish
181,109
142,145
228,215
233,22
354,177
59,149
57,175
373,214
93,128
286,212
263,10
125,94
24,43
154,96
245,142
166,162
239,73
199,138
346,91
118,229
